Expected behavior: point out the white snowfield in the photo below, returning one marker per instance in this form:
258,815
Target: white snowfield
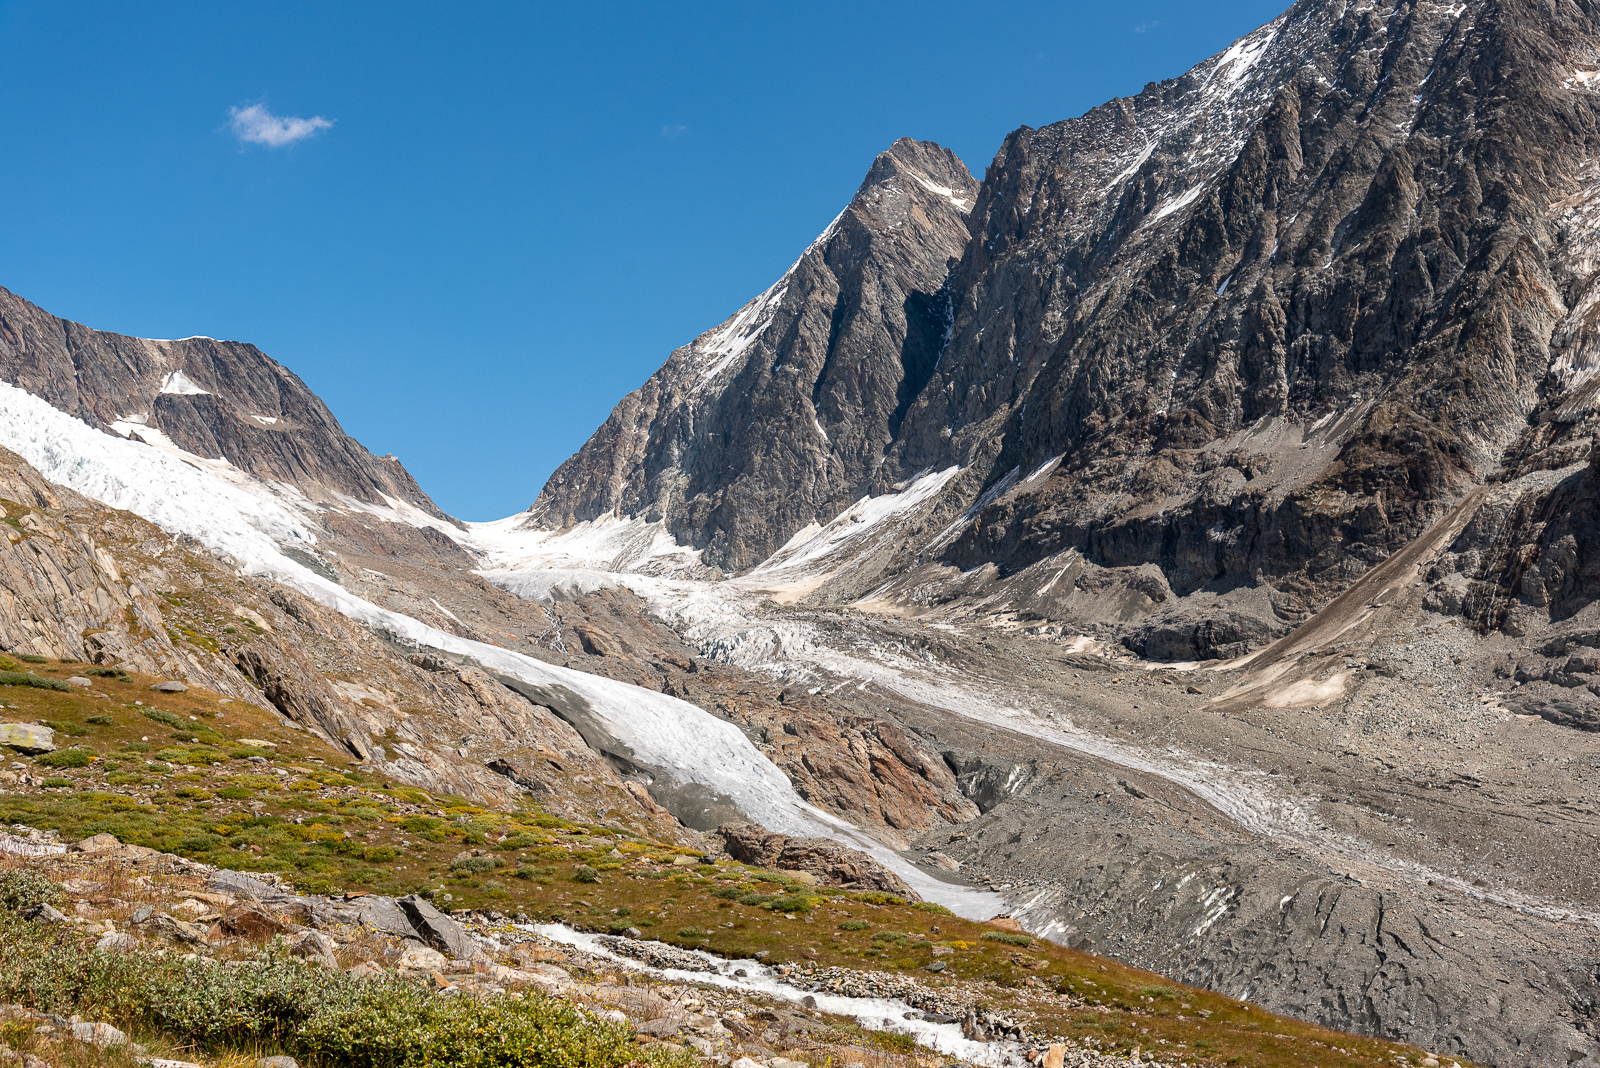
250,522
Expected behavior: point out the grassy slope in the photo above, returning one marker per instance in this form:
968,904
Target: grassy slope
185,782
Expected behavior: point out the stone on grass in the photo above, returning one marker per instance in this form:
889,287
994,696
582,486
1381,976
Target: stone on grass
662,1028
277,1062
99,1035
80,681
420,958
30,739
42,913
170,686
367,970
96,842
117,942
1055,1056
314,946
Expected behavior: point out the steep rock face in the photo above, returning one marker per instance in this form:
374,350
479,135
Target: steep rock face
1257,326
780,417
216,399
1277,314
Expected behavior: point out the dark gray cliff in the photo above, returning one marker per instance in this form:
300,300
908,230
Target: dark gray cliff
781,416
216,399
1314,306
1274,317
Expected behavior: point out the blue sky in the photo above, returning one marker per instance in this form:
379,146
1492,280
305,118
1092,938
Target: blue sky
494,220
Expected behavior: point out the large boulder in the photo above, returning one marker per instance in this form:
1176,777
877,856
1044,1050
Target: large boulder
439,930
29,739
382,915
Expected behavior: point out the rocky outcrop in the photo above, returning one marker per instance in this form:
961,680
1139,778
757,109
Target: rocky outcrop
829,862
780,416
215,399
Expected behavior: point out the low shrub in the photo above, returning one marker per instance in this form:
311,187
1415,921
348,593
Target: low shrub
879,897
474,864
29,658
22,888
101,721
1008,937
280,1002
66,758
730,893
235,793
107,673
55,783
790,903
70,729
162,716
854,925
22,678
585,874
692,932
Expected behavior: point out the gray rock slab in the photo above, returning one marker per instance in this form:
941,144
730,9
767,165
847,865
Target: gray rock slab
28,738
439,930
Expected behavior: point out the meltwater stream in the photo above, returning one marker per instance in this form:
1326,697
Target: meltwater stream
874,1014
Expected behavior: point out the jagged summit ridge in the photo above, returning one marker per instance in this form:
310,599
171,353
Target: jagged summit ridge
781,415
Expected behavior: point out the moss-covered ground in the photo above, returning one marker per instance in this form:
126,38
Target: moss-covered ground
190,774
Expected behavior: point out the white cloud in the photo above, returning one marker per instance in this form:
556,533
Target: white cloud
672,133
256,125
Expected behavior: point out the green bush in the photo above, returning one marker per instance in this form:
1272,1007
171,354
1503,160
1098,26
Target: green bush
585,874
102,721
22,678
730,893
66,758
854,925
1008,937
929,906
692,932
22,888
892,938
235,793
879,897
29,658
71,730
107,673
54,783
790,903
161,715
279,1002
474,864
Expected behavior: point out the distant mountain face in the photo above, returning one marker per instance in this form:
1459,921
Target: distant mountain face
784,413
215,399
1272,317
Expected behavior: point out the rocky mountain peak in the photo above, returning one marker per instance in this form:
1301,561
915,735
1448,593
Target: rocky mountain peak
780,417
217,400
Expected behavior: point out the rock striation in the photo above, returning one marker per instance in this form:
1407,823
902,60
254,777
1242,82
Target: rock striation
221,400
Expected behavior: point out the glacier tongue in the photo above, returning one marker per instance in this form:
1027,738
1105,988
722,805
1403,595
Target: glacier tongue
250,522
